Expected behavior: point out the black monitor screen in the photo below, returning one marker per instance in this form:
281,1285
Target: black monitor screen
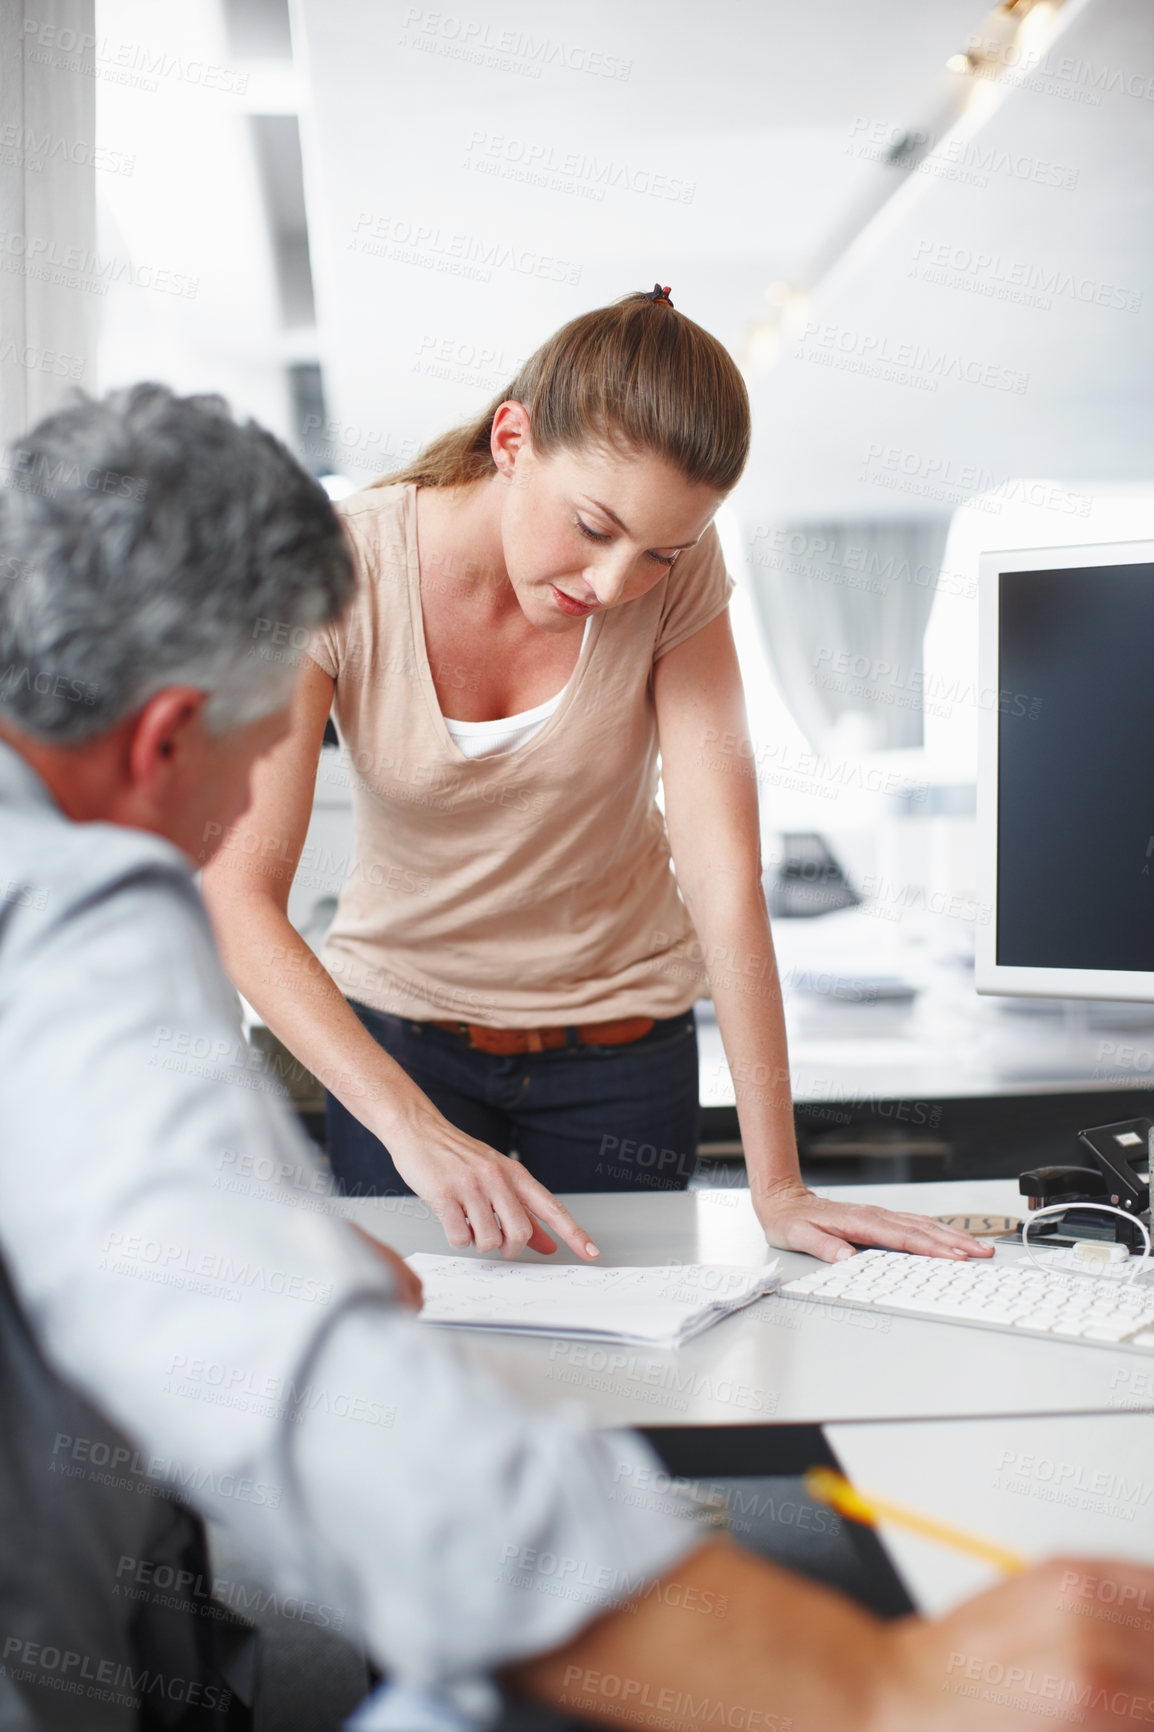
1076,768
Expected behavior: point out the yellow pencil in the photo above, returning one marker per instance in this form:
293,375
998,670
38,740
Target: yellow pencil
826,1486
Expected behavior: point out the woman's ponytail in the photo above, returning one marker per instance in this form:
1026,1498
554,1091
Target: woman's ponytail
637,376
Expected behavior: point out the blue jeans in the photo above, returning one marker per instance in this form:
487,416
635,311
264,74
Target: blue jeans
580,1118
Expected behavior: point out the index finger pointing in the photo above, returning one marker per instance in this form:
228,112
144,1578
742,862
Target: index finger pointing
555,1216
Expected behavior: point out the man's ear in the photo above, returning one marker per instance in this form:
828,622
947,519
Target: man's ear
161,736
509,436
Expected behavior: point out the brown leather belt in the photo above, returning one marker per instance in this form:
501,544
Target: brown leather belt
504,1042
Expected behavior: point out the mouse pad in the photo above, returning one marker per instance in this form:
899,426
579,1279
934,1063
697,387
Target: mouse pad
754,1473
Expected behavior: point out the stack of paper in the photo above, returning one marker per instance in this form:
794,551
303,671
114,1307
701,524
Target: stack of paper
655,1307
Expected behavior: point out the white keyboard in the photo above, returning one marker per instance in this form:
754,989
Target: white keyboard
1014,1293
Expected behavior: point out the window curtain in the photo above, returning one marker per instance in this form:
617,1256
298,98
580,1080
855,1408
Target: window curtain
47,207
843,609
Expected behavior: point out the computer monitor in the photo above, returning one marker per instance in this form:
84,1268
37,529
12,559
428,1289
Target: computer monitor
1066,772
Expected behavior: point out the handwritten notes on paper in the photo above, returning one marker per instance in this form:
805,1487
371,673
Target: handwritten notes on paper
659,1306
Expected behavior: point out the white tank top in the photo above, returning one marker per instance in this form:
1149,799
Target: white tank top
487,739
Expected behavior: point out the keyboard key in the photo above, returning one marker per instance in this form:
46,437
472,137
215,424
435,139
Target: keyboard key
1002,1295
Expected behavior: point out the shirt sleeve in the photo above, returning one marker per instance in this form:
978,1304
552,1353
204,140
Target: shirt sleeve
171,1242
698,589
328,645
324,647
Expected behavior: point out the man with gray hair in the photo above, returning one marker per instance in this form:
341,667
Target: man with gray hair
147,546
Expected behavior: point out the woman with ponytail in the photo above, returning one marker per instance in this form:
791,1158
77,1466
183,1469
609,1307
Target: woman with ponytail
503,1007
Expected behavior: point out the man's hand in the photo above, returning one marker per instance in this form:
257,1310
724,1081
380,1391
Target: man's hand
725,1639
1043,1647
794,1219
408,1282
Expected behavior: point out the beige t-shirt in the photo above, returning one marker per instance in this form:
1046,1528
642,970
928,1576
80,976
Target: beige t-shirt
521,890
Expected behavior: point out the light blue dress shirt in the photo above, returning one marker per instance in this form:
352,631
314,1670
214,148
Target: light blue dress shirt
246,1339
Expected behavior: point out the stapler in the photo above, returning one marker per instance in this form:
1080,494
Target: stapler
1117,1153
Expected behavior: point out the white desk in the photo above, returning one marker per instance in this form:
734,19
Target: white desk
946,1042
784,1359
1080,1485
1041,1446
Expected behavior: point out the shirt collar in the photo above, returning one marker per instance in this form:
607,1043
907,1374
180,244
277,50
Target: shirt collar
19,783
21,786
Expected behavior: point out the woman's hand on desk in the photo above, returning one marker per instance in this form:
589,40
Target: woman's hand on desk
480,1197
795,1219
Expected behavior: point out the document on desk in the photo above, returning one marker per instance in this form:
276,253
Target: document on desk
661,1306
